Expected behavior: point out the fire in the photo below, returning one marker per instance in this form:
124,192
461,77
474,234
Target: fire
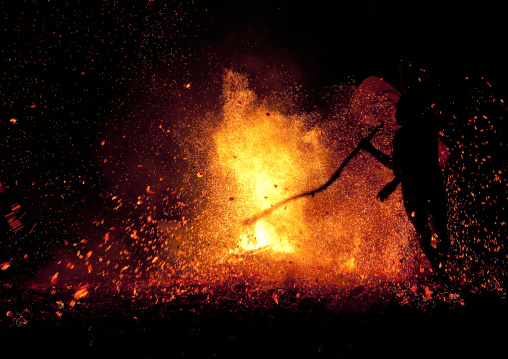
241,160
260,153
267,156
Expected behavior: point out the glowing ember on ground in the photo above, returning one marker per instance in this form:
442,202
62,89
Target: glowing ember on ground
54,278
81,292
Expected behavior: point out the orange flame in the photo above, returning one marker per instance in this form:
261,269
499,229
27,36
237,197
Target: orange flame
268,156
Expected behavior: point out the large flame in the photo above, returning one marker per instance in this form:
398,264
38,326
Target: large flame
267,156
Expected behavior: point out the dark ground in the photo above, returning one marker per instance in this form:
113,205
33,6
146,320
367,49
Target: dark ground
241,322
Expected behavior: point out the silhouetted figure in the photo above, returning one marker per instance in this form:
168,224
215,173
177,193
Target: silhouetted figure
415,165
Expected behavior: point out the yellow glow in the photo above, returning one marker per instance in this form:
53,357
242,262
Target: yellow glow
269,157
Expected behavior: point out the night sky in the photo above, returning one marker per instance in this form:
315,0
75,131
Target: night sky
69,68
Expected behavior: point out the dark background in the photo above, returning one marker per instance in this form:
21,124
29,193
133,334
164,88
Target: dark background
65,66
332,40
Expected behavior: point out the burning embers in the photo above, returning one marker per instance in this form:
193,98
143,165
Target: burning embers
256,154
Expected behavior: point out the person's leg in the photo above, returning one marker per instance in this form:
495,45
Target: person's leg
438,211
421,223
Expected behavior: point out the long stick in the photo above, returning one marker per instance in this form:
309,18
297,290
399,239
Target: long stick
332,179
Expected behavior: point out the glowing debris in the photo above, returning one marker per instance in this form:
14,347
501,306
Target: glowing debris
275,298
81,292
54,278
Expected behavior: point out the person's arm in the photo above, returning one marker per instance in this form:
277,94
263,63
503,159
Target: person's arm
380,156
388,189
